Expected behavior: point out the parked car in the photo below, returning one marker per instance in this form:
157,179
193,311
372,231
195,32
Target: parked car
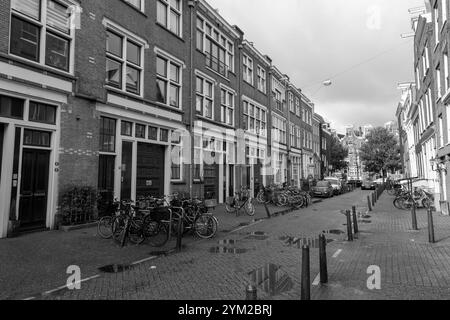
323,189
368,184
336,184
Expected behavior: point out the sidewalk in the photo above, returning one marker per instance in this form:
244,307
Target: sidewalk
411,268
38,261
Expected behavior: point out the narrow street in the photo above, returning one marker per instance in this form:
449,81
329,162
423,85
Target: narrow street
221,268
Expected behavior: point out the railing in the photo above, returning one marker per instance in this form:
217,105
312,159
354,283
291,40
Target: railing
216,65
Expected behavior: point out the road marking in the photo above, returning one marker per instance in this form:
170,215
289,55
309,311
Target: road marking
244,227
143,260
337,253
316,280
66,286
30,298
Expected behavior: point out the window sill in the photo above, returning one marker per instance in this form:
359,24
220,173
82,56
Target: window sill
250,84
166,106
38,66
215,72
169,31
126,93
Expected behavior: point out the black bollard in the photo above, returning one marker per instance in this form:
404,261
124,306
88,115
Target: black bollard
355,220
349,226
414,217
306,277
251,293
179,234
373,201
267,210
430,226
323,259
369,203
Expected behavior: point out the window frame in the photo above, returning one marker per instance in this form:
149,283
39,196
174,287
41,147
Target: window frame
126,38
230,104
204,80
261,79
167,79
141,6
43,30
169,10
248,69
248,117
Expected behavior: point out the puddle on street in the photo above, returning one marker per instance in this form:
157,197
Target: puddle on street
271,279
335,232
228,242
114,268
227,250
159,253
300,242
244,224
258,235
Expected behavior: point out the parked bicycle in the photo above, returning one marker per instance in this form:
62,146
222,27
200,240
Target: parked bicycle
241,201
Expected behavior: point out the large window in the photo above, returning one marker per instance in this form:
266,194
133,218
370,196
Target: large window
218,48
262,82
255,118
107,134
438,82
168,14
123,62
279,129
168,82
205,97
41,23
40,112
227,106
291,102
176,157
139,4
248,69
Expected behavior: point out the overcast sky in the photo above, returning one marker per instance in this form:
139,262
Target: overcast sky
314,40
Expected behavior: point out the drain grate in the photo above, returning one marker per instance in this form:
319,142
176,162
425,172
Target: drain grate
312,242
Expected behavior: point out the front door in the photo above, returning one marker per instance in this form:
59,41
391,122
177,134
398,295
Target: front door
127,165
34,188
211,175
150,170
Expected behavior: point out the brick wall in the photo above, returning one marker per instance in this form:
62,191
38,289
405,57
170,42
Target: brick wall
4,25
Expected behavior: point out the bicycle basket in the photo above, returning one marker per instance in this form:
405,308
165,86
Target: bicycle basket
211,204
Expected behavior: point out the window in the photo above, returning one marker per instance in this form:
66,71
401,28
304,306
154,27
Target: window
262,84
126,128
11,107
291,102
176,157
438,82
205,97
227,106
292,135
140,131
107,134
33,27
153,133
139,4
218,48
168,82
298,135
436,22
446,72
444,11
255,118
168,14
278,100
123,57
441,133
36,138
298,110
44,113
164,135
279,129
248,69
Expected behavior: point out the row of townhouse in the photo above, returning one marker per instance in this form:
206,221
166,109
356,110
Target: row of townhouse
137,98
423,113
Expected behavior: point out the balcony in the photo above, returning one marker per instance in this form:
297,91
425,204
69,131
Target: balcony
216,65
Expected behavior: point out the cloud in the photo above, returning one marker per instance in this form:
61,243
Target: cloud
312,40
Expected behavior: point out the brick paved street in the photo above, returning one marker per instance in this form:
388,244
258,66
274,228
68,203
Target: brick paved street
220,269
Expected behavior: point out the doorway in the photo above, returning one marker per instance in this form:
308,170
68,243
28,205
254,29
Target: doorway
127,165
211,176
150,170
34,189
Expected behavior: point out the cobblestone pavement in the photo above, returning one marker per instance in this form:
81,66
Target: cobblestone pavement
269,251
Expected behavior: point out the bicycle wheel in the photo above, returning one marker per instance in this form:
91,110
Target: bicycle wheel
205,227
260,197
104,227
156,233
249,208
230,207
136,233
118,228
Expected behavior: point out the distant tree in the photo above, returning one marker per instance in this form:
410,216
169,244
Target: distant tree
381,152
338,155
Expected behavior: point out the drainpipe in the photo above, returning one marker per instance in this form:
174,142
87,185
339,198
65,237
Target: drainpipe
191,5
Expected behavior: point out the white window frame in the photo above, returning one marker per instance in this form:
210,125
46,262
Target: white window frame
438,82
441,133
436,22
262,79
205,79
43,27
140,8
172,146
257,108
229,104
169,9
170,60
248,69
444,11
279,127
446,71
127,36
291,102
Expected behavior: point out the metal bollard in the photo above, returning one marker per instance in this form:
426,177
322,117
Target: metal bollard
180,231
306,276
267,210
431,238
373,201
355,220
349,226
414,217
323,259
369,203
251,293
